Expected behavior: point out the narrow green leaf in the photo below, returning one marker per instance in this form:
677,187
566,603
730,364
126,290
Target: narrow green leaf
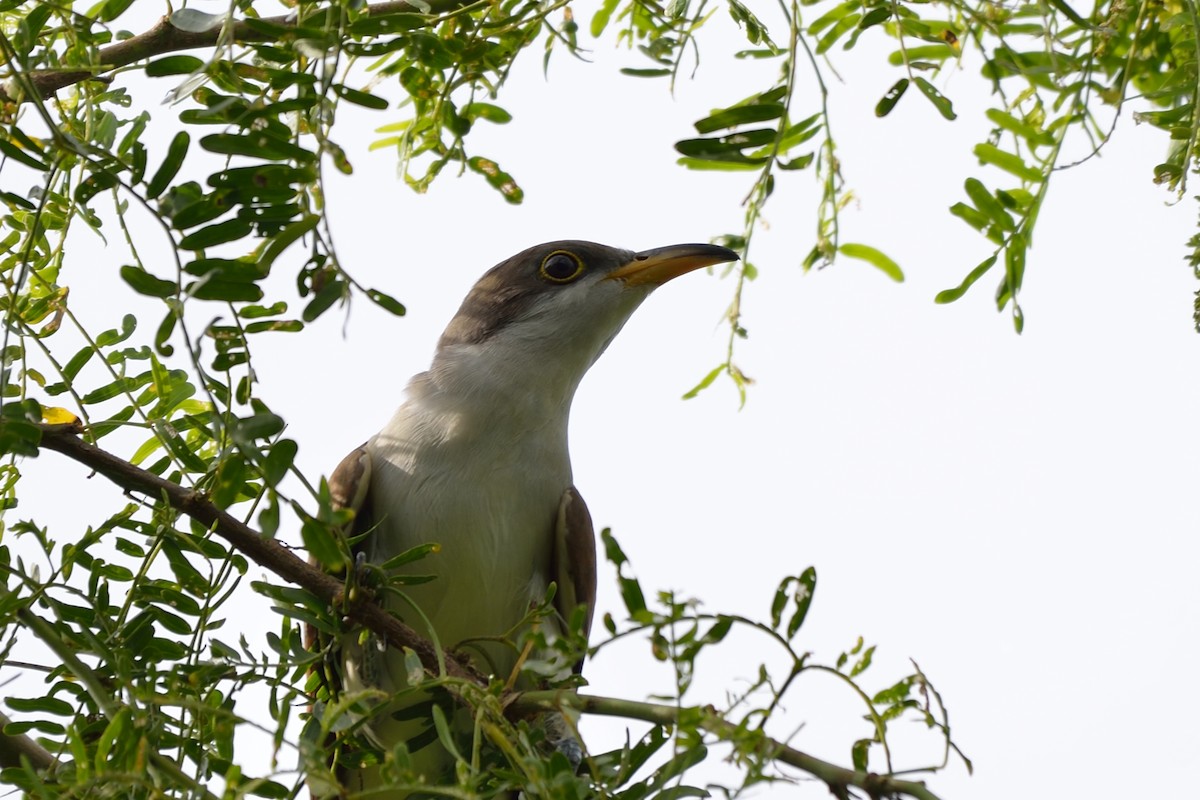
858,754
989,205
939,100
228,231
325,298
932,52
864,662
166,171
282,240
806,589
950,295
875,258
321,545
386,302
1009,162
739,115
93,184
487,111
409,556
113,336
602,16
701,164
889,100
143,282
705,382
1032,135
969,214
360,98
40,705
17,154
224,290
111,735
843,26
173,65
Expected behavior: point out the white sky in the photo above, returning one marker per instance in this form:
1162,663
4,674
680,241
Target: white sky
1012,512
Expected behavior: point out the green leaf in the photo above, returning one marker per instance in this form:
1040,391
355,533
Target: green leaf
705,382
409,556
1009,162
386,302
889,100
701,164
969,214
805,591
844,25
940,101
230,480
858,754
325,298
321,545
263,425
166,171
1032,135
224,290
93,185
143,282
278,461
644,72
112,734
989,205
740,115
17,154
41,705
228,231
875,258
360,98
282,240
864,662
486,111
257,144
950,295
602,16
113,336
173,65
497,178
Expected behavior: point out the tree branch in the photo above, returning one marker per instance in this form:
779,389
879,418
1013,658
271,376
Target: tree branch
166,38
838,779
274,556
265,552
15,746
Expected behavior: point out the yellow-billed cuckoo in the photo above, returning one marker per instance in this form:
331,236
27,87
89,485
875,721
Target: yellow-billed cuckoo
476,460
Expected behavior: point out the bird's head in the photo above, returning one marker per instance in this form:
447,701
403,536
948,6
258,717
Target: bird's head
551,310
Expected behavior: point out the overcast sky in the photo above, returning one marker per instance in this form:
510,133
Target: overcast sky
1015,513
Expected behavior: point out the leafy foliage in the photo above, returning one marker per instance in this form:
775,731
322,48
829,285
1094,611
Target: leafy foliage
125,621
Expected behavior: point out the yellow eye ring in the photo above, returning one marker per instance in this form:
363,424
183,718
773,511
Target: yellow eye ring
561,266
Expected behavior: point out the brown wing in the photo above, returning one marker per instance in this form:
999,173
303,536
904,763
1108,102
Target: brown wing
348,487
349,483
574,566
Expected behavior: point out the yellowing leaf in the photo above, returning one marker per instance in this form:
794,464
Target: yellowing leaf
54,415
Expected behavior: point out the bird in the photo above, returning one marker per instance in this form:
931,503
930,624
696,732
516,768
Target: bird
476,460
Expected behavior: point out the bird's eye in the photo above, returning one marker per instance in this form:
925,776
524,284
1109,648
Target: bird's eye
561,267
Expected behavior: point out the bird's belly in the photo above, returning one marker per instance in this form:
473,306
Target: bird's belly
495,533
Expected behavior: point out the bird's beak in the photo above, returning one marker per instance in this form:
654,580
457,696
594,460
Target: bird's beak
661,264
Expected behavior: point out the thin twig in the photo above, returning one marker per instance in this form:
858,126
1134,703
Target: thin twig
838,779
166,38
